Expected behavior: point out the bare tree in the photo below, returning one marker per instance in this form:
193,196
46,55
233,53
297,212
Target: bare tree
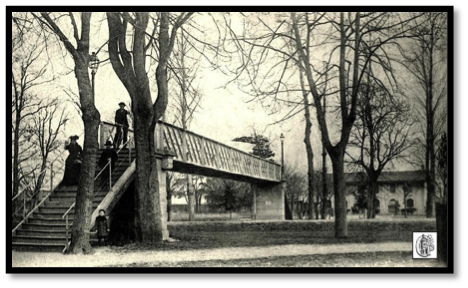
78,48
349,42
26,74
296,187
382,134
130,67
426,59
186,101
47,125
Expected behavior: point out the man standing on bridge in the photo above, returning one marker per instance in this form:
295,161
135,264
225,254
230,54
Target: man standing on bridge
121,121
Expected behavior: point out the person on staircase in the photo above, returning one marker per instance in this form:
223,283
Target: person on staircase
73,163
107,154
122,124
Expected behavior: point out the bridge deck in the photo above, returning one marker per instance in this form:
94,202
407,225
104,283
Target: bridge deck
199,155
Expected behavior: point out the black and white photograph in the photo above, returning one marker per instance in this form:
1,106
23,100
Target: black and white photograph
305,140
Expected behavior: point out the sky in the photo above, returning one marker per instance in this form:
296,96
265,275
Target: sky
225,112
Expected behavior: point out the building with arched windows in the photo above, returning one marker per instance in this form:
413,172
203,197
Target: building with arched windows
395,189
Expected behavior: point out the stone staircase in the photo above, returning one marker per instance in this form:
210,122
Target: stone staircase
45,229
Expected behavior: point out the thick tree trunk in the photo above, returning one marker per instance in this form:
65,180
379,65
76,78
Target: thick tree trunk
341,225
85,193
441,227
430,153
430,176
130,67
148,222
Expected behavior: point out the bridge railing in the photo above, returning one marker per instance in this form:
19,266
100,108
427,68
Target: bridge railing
198,150
108,130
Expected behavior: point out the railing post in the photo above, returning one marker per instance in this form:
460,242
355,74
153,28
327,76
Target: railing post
110,175
51,176
24,206
66,229
129,154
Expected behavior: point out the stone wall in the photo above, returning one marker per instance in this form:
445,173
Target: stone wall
270,202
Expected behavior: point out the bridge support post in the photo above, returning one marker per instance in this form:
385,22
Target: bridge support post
269,201
163,195
254,201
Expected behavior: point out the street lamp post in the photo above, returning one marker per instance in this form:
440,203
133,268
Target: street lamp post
282,155
93,65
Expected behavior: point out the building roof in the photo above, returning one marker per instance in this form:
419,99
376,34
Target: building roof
388,177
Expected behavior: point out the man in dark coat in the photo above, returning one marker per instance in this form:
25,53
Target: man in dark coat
102,227
107,154
122,123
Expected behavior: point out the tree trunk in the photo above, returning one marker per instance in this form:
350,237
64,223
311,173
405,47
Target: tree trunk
373,190
84,196
191,197
292,208
287,210
148,222
441,227
15,153
41,178
341,225
254,201
168,198
310,152
130,68
430,153
197,202
324,181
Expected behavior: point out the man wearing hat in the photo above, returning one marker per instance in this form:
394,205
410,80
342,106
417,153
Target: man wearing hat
107,154
121,121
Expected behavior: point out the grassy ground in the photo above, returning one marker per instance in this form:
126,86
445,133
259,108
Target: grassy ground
235,216
246,216
209,240
374,259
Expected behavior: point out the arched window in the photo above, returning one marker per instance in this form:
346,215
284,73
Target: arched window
409,203
393,206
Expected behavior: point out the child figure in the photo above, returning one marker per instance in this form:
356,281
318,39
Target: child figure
102,227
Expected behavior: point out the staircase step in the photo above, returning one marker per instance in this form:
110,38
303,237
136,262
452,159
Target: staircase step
64,195
46,227
46,230
49,221
39,239
57,203
45,211
30,232
37,247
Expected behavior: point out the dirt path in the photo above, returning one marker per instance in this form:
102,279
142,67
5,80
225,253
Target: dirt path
105,256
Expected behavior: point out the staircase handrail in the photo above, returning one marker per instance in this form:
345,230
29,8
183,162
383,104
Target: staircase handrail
65,215
30,213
